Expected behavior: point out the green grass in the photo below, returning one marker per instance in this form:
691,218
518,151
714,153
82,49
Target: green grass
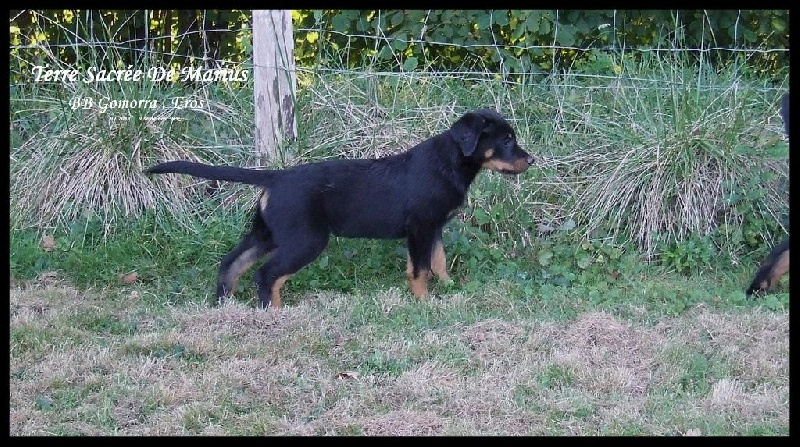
180,266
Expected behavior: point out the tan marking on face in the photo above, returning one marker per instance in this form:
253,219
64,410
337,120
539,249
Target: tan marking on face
488,153
239,266
519,166
275,301
439,263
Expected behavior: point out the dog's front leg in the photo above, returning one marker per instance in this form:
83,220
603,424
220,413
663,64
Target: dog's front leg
418,271
438,260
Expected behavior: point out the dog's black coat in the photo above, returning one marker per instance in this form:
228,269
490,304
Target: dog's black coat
771,270
409,195
777,263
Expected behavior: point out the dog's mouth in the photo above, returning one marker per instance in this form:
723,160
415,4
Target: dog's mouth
517,167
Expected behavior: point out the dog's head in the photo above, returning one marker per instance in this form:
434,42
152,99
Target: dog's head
486,137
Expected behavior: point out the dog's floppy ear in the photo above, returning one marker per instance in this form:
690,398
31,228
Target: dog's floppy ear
467,130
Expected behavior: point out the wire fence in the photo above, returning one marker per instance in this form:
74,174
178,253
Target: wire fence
383,51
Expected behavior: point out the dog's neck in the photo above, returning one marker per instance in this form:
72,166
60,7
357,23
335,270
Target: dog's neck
469,170
463,169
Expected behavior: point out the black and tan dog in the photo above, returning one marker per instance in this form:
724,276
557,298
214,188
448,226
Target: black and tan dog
777,263
409,195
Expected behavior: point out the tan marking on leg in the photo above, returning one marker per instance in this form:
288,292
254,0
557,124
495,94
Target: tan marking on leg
263,199
439,262
419,285
276,291
780,268
239,266
409,267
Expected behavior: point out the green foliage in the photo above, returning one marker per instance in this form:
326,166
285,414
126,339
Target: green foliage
500,41
164,252
104,323
556,276
35,340
688,256
521,41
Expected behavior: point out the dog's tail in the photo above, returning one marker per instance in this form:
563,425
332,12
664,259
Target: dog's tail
775,266
210,172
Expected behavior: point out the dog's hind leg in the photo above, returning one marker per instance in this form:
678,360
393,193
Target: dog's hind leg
253,247
238,261
286,259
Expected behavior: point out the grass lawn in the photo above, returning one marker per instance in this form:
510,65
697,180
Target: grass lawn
126,361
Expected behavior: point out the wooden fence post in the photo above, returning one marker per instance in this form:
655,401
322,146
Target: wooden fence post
274,81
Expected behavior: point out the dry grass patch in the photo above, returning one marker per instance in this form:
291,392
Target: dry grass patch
609,355
334,365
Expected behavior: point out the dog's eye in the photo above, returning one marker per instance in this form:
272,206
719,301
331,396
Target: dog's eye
509,139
